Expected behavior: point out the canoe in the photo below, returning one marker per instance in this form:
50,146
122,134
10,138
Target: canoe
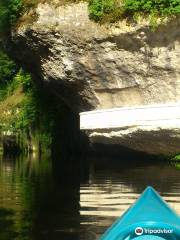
149,218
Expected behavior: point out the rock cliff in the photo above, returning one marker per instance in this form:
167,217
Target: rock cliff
93,66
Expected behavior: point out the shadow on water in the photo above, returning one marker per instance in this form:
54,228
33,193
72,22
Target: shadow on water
42,198
7,228
75,199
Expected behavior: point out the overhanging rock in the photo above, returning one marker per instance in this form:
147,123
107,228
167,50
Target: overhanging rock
151,129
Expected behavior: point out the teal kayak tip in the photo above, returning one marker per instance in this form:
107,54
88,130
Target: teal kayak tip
149,218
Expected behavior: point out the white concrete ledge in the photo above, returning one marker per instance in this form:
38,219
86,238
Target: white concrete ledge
129,116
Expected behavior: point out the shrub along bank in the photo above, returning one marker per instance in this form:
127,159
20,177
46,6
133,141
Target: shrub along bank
21,108
114,10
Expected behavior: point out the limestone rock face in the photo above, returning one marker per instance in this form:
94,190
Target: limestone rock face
162,139
93,66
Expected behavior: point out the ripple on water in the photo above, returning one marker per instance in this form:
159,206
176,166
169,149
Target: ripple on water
110,193
37,205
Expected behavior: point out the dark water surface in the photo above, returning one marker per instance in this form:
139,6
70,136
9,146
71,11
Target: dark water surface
40,199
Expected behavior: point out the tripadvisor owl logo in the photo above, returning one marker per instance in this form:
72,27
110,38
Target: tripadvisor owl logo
138,231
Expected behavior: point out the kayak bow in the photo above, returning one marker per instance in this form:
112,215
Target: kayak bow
149,218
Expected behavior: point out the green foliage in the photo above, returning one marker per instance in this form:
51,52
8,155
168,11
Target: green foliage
7,71
176,158
177,166
10,10
27,113
159,7
99,10
23,109
96,9
24,79
175,161
113,10
7,68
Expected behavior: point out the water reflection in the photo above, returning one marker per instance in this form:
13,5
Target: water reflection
112,189
44,199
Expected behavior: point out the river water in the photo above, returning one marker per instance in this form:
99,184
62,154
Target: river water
40,199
